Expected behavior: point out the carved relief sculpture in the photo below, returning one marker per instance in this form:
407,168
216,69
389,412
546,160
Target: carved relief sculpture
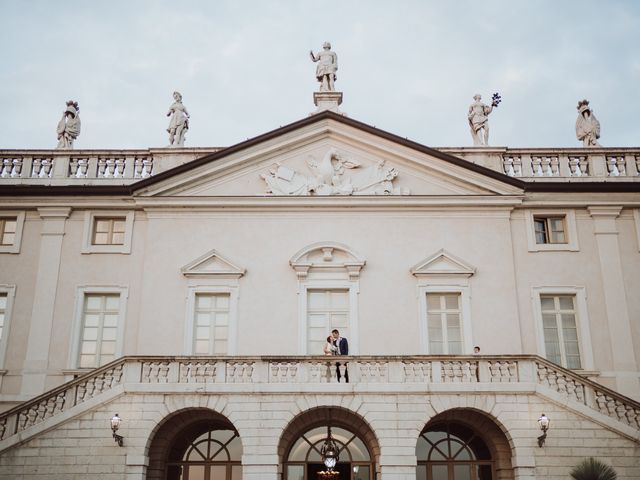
69,125
329,177
587,125
479,118
179,123
327,67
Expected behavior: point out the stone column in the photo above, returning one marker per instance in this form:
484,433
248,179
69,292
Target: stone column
37,357
397,472
616,306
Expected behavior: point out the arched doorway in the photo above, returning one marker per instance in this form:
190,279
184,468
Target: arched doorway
195,444
301,443
463,444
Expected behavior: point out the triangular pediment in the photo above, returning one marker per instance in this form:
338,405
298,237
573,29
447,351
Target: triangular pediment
442,263
328,155
212,264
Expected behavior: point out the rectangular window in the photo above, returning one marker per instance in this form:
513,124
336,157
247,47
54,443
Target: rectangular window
444,323
549,229
211,324
108,230
3,313
560,330
99,334
8,227
326,310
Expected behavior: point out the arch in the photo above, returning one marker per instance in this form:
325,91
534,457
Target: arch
175,434
490,434
336,417
327,256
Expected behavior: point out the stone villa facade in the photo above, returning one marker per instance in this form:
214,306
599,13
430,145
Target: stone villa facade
191,291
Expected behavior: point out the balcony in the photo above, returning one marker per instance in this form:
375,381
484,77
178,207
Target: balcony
379,375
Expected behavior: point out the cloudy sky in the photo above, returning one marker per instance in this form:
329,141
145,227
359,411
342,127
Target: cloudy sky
408,67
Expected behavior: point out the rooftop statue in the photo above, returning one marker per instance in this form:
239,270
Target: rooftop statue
69,125
479,118
179,123
587,125
327,67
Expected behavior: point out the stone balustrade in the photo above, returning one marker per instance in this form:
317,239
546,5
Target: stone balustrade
556,164
390,374
91,166
574,164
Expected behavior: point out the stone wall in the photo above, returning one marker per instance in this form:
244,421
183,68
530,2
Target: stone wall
83,445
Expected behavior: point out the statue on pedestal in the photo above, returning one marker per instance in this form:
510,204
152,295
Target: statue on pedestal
179,123
479,119
587,125
69,125
326,70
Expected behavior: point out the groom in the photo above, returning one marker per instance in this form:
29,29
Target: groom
342,345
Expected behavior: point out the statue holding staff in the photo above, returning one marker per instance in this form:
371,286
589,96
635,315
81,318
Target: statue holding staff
327,67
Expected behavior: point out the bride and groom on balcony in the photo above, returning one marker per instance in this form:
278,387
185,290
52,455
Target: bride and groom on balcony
337,345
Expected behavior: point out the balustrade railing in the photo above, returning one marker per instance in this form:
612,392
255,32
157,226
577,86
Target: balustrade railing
127,166
475,374
571,163
80,166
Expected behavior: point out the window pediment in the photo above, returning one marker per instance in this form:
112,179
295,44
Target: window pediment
442,263
212,264
327,257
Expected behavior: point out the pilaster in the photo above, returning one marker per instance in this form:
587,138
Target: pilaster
616,305
37,356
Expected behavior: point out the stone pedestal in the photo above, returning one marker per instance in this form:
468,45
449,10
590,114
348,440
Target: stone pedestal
327,101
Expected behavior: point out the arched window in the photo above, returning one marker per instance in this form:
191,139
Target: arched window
450,451
304,460
213,455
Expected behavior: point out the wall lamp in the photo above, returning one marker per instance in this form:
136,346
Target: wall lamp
544,423
115,425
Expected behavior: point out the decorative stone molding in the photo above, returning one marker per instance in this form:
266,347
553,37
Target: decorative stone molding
329,177
443,263
212,264
327,256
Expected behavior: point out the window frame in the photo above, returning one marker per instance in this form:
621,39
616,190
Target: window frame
10,291
111,232
232,332
570,231
353,290
330,328
17,240
465,315
90,217
78,320
582,321
548,230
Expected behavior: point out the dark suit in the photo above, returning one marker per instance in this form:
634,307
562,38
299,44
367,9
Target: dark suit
343,349
343,346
